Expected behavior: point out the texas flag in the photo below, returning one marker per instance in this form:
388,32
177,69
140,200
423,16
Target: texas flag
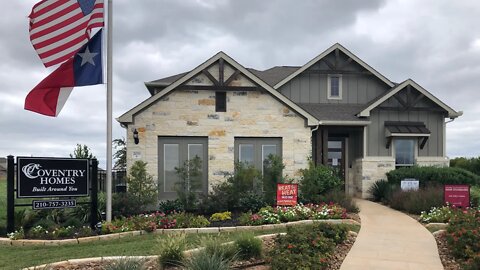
85,68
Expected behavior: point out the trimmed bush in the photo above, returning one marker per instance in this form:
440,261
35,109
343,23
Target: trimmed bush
170,206
432,175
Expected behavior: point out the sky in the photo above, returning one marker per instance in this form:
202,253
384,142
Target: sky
434,42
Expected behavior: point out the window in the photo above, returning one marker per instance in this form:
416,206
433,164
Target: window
255,151
404,152
175,152
334,87
220,101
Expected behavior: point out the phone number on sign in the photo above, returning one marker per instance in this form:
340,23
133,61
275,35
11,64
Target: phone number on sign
52,204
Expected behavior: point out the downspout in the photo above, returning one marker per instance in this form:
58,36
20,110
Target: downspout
460,113
311,136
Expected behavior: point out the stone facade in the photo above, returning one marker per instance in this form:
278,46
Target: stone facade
432,161
369,170
192,113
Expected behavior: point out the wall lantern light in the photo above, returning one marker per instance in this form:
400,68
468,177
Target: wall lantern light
135,136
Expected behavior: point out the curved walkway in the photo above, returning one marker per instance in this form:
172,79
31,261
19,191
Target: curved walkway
389,239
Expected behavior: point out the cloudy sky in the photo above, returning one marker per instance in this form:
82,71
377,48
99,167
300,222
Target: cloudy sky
434,42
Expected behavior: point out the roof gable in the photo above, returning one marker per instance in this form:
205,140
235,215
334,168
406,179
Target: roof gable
334,48
404,85
199,78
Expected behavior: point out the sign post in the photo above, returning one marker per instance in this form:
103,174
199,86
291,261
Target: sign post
457,195
287,194
40,177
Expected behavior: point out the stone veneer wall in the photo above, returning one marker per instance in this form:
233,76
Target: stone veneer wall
192,113
369,170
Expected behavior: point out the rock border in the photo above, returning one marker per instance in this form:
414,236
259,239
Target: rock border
24,242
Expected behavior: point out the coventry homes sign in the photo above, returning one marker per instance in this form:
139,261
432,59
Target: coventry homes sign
52,177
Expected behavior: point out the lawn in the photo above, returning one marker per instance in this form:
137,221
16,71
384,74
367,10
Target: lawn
12,257
3,205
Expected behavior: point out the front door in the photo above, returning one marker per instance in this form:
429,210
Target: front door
336,155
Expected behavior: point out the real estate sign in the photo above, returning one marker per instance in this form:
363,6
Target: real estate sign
409,184
287,194
457,195
52,177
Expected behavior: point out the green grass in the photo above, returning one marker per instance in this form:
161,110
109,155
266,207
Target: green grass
3,203
12,257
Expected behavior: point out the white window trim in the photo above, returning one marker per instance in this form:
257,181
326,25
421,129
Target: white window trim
415,152
340,86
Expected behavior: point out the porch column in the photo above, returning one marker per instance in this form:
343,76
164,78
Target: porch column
321,151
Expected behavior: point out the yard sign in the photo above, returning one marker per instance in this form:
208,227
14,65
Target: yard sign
457,195
287,194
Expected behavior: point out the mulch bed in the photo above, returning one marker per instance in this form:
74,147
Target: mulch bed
448,261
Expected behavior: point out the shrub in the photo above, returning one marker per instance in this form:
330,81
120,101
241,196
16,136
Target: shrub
125,263
170,249
463,237
204,260
125,204
272,174
339,197
213,246
221,216
141,186
248,246
171,206
475,196
380,190
251,201
306,247
415,202
189,220
428,175
316,181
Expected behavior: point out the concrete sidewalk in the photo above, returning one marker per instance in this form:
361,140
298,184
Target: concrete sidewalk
390,239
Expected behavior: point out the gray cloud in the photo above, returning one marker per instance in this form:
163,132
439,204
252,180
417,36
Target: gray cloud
436,43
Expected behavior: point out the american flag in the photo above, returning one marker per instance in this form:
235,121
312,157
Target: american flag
59,28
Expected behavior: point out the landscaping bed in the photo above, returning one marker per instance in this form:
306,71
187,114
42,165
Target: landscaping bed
329,233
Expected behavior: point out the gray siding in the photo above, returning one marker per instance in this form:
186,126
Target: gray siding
376,140
312,88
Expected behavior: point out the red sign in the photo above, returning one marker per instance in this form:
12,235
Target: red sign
287,194
457,195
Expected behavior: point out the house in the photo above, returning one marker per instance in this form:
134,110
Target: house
335,108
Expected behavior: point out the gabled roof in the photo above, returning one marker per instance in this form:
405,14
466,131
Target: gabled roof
380,99
327,52
128,116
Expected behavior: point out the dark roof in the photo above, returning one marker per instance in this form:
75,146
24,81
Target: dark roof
406,127
333,112
274,75
169,80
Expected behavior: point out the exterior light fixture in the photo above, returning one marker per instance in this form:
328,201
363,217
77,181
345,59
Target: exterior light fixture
135,136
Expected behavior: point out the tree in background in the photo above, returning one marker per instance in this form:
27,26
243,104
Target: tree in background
82,151
120,155
469,164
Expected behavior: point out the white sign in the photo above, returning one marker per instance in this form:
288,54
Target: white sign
136,155
409,184
334,162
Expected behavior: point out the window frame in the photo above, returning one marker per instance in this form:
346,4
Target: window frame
329,86
258,145
184,143
220,101
415,151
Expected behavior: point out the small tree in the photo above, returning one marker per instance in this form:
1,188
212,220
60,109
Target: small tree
141,186
190,182
120,154
82,151
272,175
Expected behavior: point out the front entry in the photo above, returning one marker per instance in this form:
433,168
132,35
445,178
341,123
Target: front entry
339,147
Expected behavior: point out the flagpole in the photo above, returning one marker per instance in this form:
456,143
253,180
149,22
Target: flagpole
109,112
